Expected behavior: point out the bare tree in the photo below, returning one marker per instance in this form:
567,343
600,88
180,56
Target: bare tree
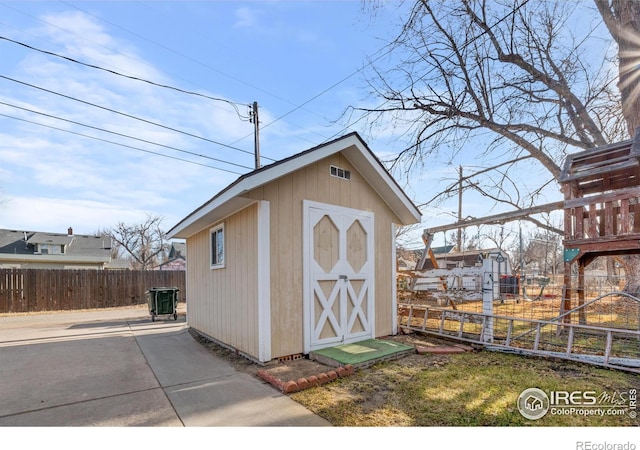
499,237
545,250
404,234
520,73
462,240
516,71
115,249
144,242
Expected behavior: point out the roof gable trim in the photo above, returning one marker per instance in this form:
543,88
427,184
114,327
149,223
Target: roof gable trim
352,146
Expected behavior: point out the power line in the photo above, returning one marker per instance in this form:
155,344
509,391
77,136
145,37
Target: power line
124,135
320,94
181,54
131,77
220,99
210,68
233,104
184,91
299,106
119,144
129,116
329,88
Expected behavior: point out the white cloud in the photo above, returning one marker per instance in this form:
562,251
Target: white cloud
52,179
273,20
80,37
56,215
246,17
307,36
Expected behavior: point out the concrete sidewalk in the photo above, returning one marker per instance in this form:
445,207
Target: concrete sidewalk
118,368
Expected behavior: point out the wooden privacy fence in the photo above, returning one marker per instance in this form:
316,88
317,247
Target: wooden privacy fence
29,290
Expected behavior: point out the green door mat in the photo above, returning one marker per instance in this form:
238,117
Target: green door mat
362,352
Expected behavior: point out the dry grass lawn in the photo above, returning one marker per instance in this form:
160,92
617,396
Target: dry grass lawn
469,389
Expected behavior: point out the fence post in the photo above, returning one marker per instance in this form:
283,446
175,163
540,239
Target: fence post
487,299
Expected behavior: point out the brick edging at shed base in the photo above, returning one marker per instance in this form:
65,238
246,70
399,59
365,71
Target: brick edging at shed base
288,387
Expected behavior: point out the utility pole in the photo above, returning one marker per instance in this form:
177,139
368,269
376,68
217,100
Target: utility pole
460,209
521,255
256,132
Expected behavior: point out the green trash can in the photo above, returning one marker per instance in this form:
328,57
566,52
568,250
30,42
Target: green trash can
163,301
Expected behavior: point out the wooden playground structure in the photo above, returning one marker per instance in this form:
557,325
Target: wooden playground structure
558,318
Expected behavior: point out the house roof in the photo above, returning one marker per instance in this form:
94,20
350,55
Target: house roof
49,238
231,199
468,257
178,261
178,249
21,244
442,250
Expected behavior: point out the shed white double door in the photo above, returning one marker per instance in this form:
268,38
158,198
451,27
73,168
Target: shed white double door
339,273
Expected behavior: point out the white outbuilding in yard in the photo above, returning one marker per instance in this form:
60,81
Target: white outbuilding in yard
298,255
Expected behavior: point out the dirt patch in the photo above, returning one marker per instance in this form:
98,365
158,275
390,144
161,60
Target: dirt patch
283,370
305,368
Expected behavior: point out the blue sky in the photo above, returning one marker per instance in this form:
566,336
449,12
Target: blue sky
279,54
300,60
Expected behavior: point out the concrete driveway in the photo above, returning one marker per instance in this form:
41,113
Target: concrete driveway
118,368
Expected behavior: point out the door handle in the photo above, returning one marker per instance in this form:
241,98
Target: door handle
343,277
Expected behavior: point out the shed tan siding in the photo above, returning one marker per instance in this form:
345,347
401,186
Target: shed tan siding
222,303
286,196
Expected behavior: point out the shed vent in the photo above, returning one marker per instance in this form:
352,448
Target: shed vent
340,173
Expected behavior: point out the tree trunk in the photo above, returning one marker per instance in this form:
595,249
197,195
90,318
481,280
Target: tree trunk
632,275
629,85
622,18
612,273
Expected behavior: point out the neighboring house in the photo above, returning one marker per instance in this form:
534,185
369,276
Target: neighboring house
405,264
178,249
118,264
176,259
406,259
298,255
178,263
447,259
40,250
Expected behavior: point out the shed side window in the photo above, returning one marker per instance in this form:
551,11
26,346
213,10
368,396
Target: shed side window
216,241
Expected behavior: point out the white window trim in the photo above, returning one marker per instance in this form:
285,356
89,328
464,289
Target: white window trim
346,174
221,265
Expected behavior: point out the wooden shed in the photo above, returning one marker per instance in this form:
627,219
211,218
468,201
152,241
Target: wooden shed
297,255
